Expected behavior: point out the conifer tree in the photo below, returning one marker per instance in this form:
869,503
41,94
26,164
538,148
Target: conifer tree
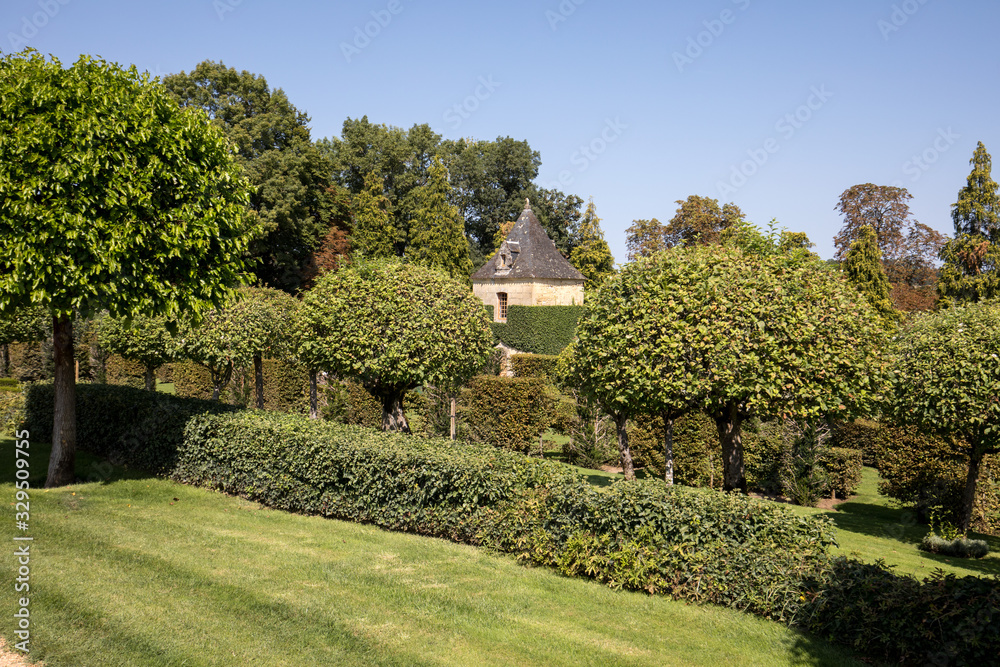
437,231
374,234
977,210
591,256
863,269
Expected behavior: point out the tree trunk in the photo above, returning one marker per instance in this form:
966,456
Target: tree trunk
62,461
453,415
668,449
728,423
150,378
969,494
623,447
258,382
220,379
313,395
393,418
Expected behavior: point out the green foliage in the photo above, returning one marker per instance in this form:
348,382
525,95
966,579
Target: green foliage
977,211
125,202
538,329
970,272
859,434
843,469
374,235
437,231
510,413
899,620
700,220
696,445
393,327
286,386
946,379
119,370
12,402
591,255
804,480
959,547
143,340
24,325
360,407
534,365
863,269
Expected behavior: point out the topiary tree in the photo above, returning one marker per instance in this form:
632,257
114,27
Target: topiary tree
144,339
393,327
258,323
740,335
946,379
111,197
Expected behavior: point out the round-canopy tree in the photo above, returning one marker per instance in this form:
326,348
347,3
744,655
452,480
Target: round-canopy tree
946,379
261,317
736,334
142,338
111,197
394,327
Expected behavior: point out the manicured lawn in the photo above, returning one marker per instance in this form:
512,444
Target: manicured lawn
131,570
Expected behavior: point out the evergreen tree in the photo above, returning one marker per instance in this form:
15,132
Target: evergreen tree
374,233
437,232
977,210
591,255
863,269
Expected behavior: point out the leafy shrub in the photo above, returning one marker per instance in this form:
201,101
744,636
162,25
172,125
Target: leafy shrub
192,380
843,468
593,441
960,547
362,409
804,479
534,365
286,386
11,409
765,448
922,470
29,362
127,426
538,329
123,371
506,412
860,434
942,620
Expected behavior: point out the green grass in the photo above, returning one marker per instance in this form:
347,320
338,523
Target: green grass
130,570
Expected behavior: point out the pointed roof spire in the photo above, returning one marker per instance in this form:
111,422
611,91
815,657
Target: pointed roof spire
530,253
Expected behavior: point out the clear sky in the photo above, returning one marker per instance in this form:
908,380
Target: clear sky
778,106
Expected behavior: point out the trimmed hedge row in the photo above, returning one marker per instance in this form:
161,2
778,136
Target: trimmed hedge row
509,413
534,365
538,329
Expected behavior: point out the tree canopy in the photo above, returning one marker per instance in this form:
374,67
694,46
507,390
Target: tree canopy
946,379
143,339
438,231
700,220
393,327
977,211
863,269
111,197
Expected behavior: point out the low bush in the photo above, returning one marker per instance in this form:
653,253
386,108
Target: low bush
860,434
534,365
843,467
510,413
192,380
960,547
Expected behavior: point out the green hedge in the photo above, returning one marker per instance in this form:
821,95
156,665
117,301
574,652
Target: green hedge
534,365
506,412
860,434
538,329
119,370
127,426
286,386
192,380
844,469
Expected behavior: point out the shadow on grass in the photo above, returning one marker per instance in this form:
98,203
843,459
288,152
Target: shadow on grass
90,469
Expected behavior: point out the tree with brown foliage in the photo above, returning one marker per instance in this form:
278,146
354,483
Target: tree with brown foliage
700,220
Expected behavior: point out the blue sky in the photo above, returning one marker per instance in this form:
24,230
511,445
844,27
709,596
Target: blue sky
777,106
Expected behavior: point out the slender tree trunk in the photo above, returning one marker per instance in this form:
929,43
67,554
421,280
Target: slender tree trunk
728,422
313,395
258,381
453,415
969,493
623,446
393,418
62,461
150,378
668,449
220,379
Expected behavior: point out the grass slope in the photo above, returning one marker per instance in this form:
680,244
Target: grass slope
130,570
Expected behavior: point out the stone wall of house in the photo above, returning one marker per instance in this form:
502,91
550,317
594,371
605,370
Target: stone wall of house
537,292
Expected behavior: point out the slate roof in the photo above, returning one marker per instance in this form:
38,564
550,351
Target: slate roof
533,253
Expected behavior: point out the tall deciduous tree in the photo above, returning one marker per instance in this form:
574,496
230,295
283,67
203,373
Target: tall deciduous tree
946,378
437,233
863,269
143,339
591,255
394,327
645,238
700,220
374,234
884,208
290,175
111,197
